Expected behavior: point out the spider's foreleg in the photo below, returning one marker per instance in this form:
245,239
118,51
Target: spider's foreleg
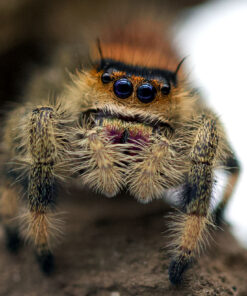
44,149
196,199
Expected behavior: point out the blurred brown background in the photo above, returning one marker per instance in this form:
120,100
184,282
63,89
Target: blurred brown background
30,30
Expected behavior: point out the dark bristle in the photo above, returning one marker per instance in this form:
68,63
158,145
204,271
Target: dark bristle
179,65
100,53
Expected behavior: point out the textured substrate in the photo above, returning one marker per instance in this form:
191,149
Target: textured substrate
116,247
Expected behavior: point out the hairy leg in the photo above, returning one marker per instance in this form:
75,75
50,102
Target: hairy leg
43,149
192,225
37,150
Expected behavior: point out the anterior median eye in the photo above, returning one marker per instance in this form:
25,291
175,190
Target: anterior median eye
146,93
123,88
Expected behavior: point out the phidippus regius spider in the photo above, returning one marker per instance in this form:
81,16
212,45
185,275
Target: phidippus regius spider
127,122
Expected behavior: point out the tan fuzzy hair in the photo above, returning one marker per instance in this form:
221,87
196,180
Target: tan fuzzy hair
17,138
188,134
103,162
88,92
189,234
156,168
43,230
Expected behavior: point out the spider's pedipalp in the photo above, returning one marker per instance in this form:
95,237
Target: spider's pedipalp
155,169
101,162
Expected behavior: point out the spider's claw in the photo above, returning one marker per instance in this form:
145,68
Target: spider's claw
177,268
46,262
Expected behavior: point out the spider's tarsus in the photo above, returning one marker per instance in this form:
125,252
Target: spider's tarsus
176,270
46,262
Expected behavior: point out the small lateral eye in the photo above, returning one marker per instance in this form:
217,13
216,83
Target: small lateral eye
165,89
106,78
146,93
123,88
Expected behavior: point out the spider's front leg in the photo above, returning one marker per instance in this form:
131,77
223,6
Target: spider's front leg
196,198
46,149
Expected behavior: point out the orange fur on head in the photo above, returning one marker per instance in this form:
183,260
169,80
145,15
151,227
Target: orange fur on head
140,43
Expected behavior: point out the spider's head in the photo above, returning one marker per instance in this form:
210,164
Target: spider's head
129,88
137,98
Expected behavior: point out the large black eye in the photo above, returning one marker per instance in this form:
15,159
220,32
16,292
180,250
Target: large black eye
123,88
106,77
165,89
146,93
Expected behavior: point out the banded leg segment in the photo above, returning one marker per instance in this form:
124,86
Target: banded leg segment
196,199
43,149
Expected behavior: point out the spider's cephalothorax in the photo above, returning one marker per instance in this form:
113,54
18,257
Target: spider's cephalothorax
126,123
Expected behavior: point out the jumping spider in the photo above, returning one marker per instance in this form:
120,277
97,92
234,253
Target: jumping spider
126,122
